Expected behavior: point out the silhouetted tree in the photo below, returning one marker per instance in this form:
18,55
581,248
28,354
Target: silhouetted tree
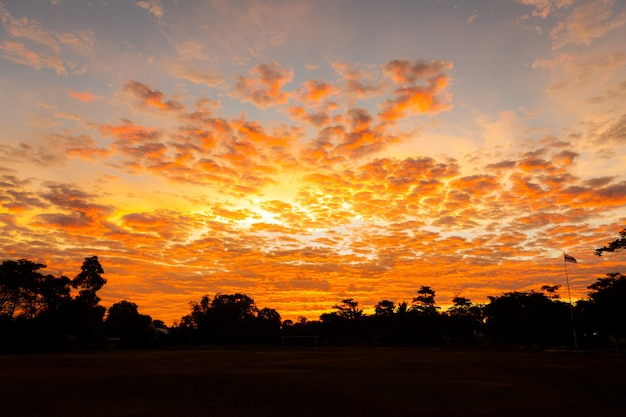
349,309
551,291
615,246
384,308
124,321
383,325
425,320
89,281
26,292
30,305
403,308
84,316
528,318
464,320
269,325
425,301
343,325
608,305
227,318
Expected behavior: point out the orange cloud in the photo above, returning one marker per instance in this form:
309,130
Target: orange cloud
264,87
543,8
151,98
80,213
130,132
18,53
421,88
45,48
315,92
317,119
84,96
403,71
358,82
411,100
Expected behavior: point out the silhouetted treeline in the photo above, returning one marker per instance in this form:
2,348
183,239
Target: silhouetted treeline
39,313
526,319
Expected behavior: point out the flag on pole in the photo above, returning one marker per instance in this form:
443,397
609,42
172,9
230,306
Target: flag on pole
568,258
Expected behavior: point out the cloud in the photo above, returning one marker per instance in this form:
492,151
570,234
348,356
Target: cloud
302,283
44,48
33,154
403,71
616,133
586,23
140,145
264,86
421,88
358,83
16,197
198,75
152,6
151,98
84,96
616,94
130,132
163,223
79,211
315,92
318,119
83,146
18,53
360,138
575,71
543,8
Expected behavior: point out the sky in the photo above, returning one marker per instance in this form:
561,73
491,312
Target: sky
305,152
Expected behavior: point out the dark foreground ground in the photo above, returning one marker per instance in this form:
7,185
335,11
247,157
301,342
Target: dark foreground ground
318,383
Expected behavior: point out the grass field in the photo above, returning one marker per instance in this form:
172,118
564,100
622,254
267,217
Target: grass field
342,382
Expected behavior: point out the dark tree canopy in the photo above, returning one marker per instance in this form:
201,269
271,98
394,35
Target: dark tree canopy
125,322
89,280
24,291
528,318
425,300
349,309
461,306
385,308
229,318
615,246
608,296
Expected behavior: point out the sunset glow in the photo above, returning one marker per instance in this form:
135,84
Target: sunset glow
304,152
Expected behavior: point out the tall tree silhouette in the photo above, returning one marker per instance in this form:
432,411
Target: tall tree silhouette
425,301
84,315
89,281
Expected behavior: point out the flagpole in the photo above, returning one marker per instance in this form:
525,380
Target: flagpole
571,307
